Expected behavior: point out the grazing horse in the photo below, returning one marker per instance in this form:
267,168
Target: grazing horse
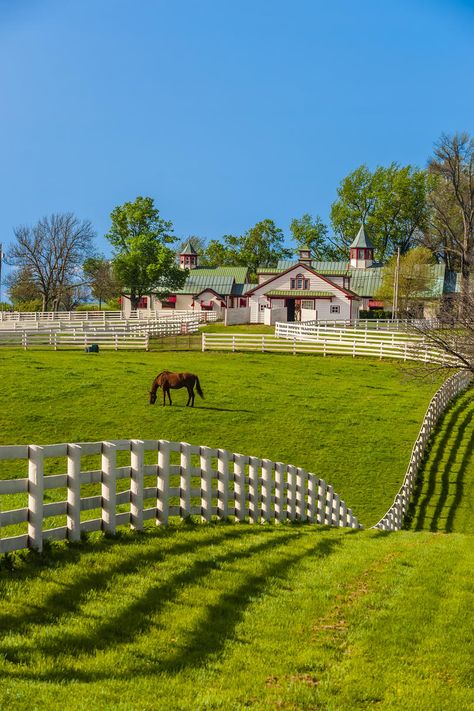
167,380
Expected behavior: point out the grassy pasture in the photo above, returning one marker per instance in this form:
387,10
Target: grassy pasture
352,422
235,617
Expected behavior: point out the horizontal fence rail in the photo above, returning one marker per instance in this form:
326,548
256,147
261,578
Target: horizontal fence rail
104,316
333,342
376,324
184,480
115,334
393,519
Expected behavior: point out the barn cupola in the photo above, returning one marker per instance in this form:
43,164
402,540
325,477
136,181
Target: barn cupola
304,256
361,250
188,258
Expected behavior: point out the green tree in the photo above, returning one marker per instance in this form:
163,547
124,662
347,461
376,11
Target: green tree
415,279
452,201
98,273
311,232
143,261
391,202
222,253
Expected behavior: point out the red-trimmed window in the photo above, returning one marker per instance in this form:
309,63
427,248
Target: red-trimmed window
299,282
143,303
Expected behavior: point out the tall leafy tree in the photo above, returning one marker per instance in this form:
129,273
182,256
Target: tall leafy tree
452,201
311,232
100,277
51,253
390,201
415,279
143,259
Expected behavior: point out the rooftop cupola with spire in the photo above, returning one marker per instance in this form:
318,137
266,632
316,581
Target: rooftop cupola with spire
188,258
304,255
361,250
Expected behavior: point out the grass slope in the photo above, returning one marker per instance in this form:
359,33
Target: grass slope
234,617
444,498
351,422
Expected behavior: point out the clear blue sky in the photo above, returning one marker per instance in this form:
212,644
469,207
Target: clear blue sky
226,112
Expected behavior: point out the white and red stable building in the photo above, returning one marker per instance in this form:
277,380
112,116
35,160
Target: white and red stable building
301,294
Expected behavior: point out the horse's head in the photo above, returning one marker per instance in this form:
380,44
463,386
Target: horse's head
152,397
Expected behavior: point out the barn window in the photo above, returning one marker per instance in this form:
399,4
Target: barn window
143,303
307,305
292,283
299,281
335,309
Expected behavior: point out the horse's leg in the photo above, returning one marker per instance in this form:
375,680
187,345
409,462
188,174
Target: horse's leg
189,395
192,396
169,396
164,396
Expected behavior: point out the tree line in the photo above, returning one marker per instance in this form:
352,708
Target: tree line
402,208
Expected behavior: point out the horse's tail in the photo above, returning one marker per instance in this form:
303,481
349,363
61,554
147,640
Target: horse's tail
198,388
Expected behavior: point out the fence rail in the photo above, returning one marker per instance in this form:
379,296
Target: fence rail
331,342
203,481
116,335
104,316
393,519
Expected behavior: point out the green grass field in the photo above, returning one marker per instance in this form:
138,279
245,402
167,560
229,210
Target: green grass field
230,616
351,422
235,617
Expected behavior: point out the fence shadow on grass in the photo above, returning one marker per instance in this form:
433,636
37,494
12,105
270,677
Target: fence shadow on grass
205,640
435,471
68,597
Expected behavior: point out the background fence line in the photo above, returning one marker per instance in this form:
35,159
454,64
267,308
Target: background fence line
333,341
105,316
203,482
453,386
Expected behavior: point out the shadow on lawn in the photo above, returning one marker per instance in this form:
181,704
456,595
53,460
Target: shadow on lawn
209,635
438,472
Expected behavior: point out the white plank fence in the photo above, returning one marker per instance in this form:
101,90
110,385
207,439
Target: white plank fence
208,483
393,519
75,334
105,316
333,341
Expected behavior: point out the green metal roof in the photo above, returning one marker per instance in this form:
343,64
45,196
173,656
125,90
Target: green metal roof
188,249
362,240
365,282
335,268
239,289
300,293
195,284
240,274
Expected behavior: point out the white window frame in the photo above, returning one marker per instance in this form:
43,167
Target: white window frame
334,309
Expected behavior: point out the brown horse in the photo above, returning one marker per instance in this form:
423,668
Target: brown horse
167,380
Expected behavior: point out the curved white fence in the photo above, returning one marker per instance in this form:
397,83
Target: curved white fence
185,480
393,519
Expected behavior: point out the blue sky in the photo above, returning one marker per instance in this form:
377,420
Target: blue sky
225,112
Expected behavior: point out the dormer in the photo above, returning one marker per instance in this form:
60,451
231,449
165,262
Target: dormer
361,251
188,258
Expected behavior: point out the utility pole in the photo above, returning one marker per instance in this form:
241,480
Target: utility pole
396,280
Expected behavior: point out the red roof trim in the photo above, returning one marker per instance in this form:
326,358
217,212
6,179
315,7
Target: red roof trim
309,269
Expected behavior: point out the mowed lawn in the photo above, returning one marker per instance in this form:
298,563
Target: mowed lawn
237,617
352,422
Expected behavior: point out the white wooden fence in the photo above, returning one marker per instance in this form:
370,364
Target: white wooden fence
105,316
332,341
208,482
393,519
75,334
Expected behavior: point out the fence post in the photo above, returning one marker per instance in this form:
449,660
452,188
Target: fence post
73,492
267,469
291,492
206,483
321,510
280,509
328,515
254,499
162,504
109,491
222,483
185,481
35,496
301,494
311,497
203,342
137,457
239,486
